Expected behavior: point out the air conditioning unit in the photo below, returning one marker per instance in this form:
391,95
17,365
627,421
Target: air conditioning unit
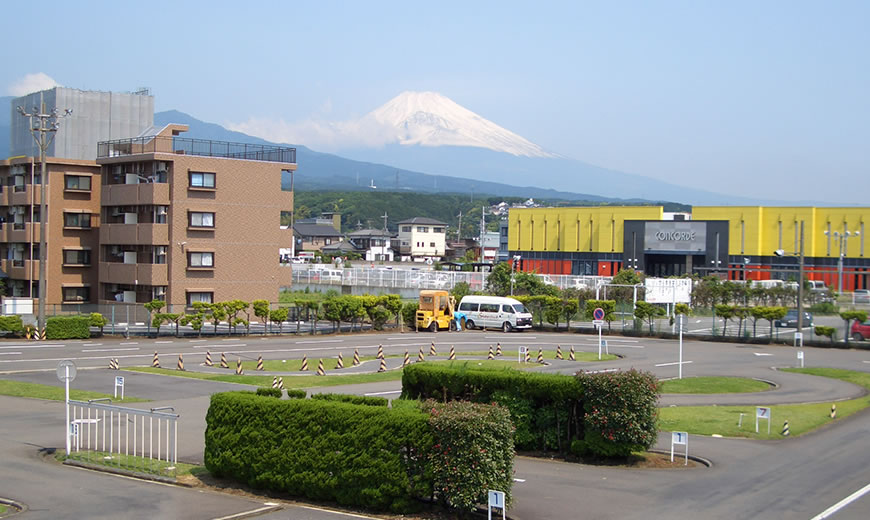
161,167
161,210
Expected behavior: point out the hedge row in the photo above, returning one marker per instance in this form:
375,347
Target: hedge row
68,327
365,400
11,324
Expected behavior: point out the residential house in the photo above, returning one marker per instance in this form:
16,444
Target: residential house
421,239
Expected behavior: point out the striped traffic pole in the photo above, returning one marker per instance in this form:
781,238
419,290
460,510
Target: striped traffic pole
432,351
274,381
41,334
452,355
260,363
540,355
113,365
785,429
208,362
320,370
355,357
498,349
833,411
304,363
224,363
528,355
571,354
559,352
239,371
383,367
156,362
340,363
420,355
490,355
380,352
281,383
180,364
407,360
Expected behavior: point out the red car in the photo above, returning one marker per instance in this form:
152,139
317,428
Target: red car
860,330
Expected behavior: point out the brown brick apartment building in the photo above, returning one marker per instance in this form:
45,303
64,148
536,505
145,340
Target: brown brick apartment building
156,217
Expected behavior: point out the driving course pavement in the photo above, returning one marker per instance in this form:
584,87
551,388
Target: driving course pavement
793,478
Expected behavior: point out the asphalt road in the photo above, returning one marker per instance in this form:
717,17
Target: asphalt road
795,478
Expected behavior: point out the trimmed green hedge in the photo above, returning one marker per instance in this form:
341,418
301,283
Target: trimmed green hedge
12,324
269,391
354,455
68,327
353,399
295,393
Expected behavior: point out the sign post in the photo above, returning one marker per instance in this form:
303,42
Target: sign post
496,499
66,372
119,383
680,438
800,356
799,339
598,321
762,412
681,325
521,354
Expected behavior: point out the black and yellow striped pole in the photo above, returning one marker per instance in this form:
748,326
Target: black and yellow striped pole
490,355
785,432
320,370
432,351
180,364
156,362
281,383
420,356
540,355
304,366
559,352
239,370
208,362
452,355
340,363
224,363
383,367
113,364
571,354
355,357
380,352
274,381
834,411
528,355
407,360
260,363
498,349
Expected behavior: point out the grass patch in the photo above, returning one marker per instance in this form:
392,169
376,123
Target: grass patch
802,418
3,509
54,393
137,464
289,382
712,385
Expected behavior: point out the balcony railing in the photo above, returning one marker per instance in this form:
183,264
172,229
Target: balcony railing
199,147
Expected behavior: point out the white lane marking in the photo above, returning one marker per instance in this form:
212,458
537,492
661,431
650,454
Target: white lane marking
827,513
129,343
222,346
320,341
33,346
9,353
669,364
163,342
196,340
762,353
865,361
337,513
620,346
108,349
519,480
91,344
252,512
512,338
385,393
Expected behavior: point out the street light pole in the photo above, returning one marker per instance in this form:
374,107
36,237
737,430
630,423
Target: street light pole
800,297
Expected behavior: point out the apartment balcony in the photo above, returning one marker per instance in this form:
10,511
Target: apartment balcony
146,193
199,147
12,232
20,195
134,234
134,274
20,269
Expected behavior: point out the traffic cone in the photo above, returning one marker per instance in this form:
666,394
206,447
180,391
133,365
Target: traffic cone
281,383
452,355
340,363
224,363
490,355
407,360
571,354
833,411
420,355
380,352
498,349
432,351
785,432
113,364
304,363
355,357
208,362
180,365
383,367
320,371
275,382
540,356
156,362
239,371
558,351
260,363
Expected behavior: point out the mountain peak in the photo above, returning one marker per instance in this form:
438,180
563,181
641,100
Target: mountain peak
431,119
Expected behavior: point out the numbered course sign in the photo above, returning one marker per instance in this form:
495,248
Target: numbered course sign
762,412
496,500
680,438
119,384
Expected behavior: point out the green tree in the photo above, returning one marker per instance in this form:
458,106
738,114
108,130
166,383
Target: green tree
648,312
726,312
261,310
98,320
570,308
152,307
608,306
553,310
218,313
279,316
774,313
741,313
848,316
460,290
234,307
828,332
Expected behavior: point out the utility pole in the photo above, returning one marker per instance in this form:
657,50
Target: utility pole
43,128
459,227
385,220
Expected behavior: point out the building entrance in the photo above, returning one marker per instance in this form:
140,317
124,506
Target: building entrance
662,266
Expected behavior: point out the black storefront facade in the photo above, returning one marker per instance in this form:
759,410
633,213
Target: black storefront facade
664,248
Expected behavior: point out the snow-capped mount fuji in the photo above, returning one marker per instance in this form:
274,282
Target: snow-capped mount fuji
430,119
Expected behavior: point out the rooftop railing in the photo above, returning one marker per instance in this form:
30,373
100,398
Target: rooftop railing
198,147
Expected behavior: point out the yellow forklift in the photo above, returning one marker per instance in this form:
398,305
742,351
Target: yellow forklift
436,311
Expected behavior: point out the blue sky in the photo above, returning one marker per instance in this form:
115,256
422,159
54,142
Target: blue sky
739,96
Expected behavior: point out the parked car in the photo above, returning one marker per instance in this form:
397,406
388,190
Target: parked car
860,331
791,319
861,296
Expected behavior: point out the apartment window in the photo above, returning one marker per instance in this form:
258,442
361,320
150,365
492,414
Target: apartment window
406,229
204,297
159,254
76,294
76,257
18,183
431,244
327,241
77,182
77,220
200,260
422,229
202,180
160,214
199,219
438,230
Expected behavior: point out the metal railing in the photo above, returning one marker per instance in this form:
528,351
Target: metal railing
200,147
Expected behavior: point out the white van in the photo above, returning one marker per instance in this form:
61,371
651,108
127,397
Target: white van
494,312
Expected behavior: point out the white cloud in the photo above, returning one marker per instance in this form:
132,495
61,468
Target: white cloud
32,83
327,136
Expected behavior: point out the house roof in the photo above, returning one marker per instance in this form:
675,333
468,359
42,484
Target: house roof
364,233
423,220
344,247
315,230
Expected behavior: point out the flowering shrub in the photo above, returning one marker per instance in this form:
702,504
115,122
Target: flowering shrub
620,413
472,452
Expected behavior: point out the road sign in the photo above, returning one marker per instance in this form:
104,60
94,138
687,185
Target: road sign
496,499
66,371
762,412
598,314
680,438
800,356
119,383
681,321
